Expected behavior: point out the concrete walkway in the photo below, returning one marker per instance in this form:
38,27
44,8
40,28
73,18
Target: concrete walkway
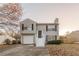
25,50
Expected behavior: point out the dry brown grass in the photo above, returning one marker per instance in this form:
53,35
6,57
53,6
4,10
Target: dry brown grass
6,47
64,50
67,40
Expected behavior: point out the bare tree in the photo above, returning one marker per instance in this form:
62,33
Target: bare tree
10,14
12,11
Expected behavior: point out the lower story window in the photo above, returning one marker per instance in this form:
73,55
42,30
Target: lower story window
55,37
51,37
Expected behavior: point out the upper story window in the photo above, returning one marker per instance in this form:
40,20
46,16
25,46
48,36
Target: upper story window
51,27
55,27
22,26
28,27
46,27
32,26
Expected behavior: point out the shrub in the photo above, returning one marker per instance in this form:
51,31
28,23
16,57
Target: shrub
7,41
55,42
19,42
13,41
17,36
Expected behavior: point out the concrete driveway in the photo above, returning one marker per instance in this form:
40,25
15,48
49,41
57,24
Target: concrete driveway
25,50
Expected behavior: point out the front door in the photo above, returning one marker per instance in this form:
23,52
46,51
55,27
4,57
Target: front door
40,41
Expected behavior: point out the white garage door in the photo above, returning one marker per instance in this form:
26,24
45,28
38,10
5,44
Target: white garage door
28,39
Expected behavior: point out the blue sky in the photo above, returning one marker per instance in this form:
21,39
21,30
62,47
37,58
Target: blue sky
68,14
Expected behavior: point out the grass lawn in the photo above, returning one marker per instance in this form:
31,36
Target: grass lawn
63,50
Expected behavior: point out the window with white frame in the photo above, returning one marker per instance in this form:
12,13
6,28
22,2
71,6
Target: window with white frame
28,27
51,27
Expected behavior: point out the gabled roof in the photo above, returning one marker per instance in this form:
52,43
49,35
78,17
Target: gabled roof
51,23
28,19
46,23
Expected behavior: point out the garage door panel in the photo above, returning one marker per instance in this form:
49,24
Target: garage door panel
28,39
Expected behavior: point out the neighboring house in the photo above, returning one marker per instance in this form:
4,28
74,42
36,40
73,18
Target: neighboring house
74,35
38,33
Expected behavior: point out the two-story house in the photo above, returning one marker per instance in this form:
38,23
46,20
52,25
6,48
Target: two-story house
38,33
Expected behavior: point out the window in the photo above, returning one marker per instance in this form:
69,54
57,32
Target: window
46,27
55,27
51,27
22,26
39,34
32,27
55,37
50,37
46,38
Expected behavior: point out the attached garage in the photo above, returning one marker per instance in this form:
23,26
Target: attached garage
28,39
